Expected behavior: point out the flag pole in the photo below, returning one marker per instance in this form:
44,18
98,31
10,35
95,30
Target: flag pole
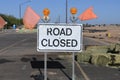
73,19
45,19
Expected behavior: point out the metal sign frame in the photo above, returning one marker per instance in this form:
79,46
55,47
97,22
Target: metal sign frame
80,39
45,51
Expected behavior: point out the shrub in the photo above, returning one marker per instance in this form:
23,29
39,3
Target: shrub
83,57
100,60
98,49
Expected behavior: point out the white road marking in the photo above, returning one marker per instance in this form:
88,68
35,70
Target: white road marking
82,71
24,67
2,50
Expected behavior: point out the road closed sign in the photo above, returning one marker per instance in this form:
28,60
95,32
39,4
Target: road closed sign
59,38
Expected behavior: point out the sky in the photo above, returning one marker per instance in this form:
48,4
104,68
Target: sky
108,11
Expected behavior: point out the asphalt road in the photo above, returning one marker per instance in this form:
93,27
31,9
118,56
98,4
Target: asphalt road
17,51
19,59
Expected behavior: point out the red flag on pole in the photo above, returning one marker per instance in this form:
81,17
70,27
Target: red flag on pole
87,14
2,22
30,18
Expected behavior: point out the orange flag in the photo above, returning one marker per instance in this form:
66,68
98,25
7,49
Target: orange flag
30,18
2,22
87,14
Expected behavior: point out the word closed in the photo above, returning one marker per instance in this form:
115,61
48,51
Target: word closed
59,37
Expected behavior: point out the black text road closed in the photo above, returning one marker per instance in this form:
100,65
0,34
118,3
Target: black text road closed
59,38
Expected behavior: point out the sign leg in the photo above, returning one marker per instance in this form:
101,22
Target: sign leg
73,66
45,66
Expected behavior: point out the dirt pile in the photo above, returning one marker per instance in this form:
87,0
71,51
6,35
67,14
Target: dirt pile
108,33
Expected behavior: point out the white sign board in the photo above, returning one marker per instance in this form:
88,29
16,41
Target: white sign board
59,38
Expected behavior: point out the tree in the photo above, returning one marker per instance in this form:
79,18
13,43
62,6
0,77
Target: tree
11,20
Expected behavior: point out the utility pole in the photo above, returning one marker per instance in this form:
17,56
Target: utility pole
66,11
20,5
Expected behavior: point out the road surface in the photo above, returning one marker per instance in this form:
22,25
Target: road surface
17,51
19,59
